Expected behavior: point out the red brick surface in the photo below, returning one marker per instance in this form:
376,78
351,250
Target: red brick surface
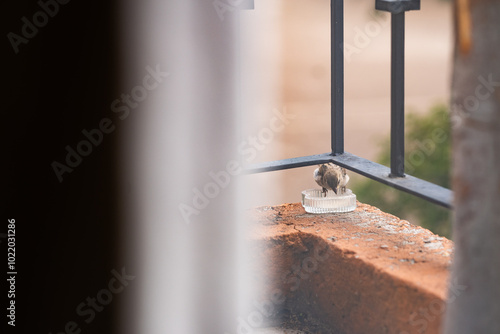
360,272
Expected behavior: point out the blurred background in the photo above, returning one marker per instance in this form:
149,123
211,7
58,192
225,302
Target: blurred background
233,72
291,41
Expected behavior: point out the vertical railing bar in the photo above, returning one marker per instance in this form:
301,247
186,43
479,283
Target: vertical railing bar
337,75
397,94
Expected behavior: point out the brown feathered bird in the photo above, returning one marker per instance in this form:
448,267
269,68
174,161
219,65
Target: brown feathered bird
331,177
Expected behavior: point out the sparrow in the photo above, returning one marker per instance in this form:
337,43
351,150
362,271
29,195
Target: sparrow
331,177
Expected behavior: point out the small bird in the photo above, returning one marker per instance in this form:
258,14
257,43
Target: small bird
331,177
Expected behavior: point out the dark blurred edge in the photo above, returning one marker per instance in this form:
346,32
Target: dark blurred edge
60,83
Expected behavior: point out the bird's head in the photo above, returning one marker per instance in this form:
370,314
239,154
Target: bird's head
322,169
335,185
332,177
336,188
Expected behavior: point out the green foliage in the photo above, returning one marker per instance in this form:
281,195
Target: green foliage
427,156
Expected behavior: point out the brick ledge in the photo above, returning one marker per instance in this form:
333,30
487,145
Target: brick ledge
380,274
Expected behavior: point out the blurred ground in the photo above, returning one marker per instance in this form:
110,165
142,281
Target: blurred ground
292,72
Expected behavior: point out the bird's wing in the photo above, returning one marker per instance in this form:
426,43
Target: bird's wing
317,177
345,179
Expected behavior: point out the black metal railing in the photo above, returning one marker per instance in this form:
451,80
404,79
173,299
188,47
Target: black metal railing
393,176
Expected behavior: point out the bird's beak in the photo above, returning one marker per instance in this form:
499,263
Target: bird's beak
335,190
